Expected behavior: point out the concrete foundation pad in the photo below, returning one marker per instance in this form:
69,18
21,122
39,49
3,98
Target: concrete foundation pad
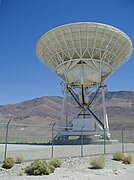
84,142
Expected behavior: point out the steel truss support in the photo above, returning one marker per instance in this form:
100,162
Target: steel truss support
85,106
96,118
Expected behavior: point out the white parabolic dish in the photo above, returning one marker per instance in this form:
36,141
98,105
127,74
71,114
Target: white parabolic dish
84,53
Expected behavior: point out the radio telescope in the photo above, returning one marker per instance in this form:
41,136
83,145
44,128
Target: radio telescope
84,55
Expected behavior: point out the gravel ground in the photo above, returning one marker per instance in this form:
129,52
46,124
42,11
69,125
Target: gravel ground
76,168
33,152
73,168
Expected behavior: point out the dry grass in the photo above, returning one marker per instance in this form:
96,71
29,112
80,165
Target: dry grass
128,159
118,156
19,159
98,162
55,162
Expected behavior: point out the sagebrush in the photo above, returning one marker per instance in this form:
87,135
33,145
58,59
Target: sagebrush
19,159
39,167
98,162
118,156
51,167
55,162
8,163
128,159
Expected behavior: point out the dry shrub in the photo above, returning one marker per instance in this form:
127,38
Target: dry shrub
118,156
38,167
128,159
98,162
55,162
19,159
51,167
8,163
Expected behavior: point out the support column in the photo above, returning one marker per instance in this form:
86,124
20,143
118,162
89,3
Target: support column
64,107
105,117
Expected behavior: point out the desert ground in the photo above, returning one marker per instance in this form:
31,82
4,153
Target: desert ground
76,168
73,168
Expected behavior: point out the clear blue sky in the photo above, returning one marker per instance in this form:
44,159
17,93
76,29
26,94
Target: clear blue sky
22,22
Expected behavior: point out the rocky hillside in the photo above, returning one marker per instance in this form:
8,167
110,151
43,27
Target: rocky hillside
46,110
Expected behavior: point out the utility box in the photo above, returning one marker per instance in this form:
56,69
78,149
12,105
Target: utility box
89,124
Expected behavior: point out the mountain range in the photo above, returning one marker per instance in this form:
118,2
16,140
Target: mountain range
44,111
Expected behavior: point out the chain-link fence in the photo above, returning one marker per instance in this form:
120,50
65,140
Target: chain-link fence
39,142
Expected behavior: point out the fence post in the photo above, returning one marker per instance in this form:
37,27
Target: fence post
82,141
52,153
122,140
104,141
6,139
